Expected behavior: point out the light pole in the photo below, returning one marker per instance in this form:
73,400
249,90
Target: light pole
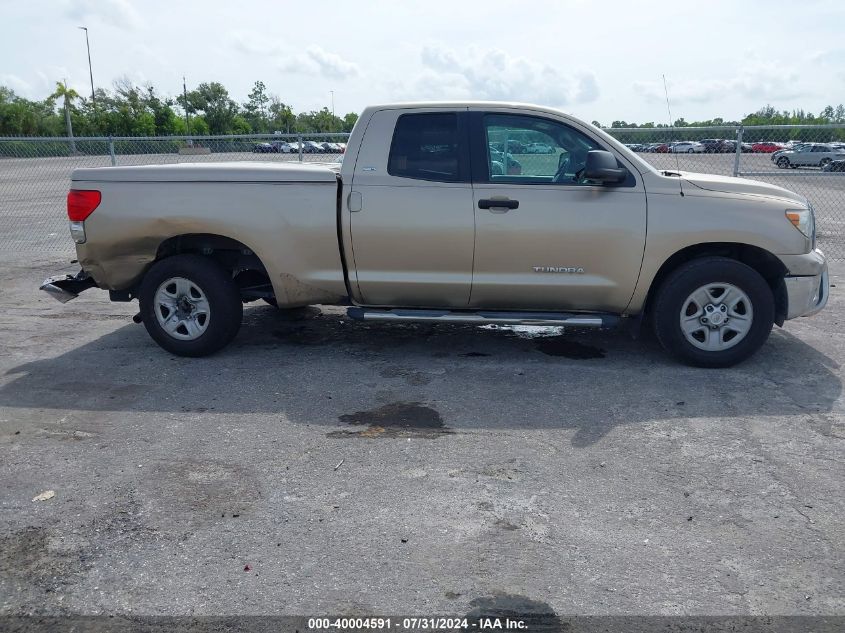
90,72
332,91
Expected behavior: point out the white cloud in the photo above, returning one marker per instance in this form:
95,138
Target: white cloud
21,87
316,60
118,13
759,81
495,74
313,60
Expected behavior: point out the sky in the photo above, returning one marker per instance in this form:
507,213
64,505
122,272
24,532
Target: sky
597,60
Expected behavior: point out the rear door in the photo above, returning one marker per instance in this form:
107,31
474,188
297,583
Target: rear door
545,238
410,210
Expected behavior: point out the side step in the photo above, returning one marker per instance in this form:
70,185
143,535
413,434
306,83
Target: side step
570,319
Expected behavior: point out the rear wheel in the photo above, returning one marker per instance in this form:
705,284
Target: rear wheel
825,162
190,305
690,150
713,312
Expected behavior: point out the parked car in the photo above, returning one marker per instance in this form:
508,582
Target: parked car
794,146
766,147
714,145
686,147
810,155
660,148
440,237
835,165
264,148
729,147
311,147
539,148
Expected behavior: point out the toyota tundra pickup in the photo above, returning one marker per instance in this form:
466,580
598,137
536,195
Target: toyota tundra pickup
437,214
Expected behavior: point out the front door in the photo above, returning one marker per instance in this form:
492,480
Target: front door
410,211
546,239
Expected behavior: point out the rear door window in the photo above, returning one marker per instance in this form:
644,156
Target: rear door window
429,146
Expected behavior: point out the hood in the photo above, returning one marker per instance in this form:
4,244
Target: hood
730,184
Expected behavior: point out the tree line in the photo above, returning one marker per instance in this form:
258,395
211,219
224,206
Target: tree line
767,115
131,110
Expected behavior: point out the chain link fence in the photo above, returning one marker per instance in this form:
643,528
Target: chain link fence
35,172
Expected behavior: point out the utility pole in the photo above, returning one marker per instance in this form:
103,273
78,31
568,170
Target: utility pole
332,91
185,97
71,142
90,72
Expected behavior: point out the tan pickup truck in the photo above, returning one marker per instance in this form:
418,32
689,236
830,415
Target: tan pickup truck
434,215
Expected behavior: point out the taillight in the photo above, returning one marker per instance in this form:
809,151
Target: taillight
81,203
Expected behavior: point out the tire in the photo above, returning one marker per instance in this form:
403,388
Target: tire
782,162
825,162
202,290
690,151
754,312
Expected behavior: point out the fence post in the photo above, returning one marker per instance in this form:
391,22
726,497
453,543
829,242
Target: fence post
299,143
738,153
111,151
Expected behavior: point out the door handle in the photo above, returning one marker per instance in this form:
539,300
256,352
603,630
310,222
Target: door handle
498,203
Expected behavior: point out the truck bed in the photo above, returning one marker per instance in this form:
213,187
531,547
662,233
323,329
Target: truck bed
245,171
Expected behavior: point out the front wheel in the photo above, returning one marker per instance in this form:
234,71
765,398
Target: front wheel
713,312
190,305
783,162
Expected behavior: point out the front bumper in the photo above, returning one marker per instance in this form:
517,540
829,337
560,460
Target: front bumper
807,294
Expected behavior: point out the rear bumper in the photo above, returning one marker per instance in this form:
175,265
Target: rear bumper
66,287
807,294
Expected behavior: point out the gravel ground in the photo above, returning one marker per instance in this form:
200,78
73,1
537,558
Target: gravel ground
324,466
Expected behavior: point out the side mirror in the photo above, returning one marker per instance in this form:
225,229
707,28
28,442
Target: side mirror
602,166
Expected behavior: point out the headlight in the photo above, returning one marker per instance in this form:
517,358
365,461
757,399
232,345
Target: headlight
803,220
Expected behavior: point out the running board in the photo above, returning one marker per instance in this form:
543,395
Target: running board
568,319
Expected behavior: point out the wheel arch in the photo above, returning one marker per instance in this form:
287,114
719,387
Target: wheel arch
240,259
768,265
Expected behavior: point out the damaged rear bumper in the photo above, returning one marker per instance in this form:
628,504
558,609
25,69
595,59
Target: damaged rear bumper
66,287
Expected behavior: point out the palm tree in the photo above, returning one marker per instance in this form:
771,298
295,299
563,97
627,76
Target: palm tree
69,94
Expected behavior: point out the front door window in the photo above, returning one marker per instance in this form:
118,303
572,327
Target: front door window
529,150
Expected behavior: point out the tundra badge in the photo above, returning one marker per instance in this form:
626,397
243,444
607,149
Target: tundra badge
574,270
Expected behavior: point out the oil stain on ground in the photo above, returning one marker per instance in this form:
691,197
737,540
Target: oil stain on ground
562,346
397,419
537,615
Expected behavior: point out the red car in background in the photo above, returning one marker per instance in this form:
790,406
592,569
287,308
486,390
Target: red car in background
766,147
